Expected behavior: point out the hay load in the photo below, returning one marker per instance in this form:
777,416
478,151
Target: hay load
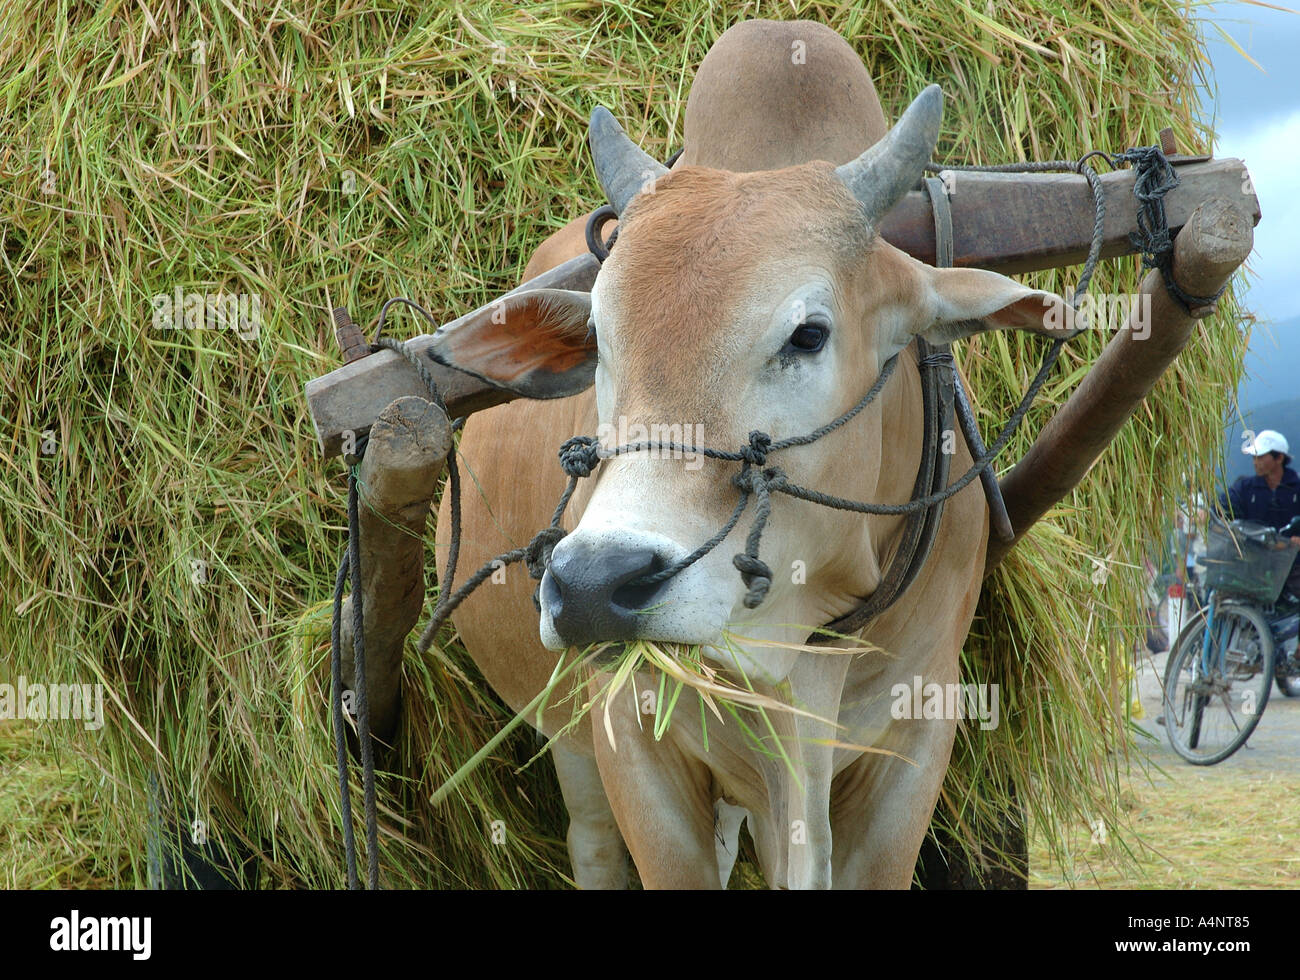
176,543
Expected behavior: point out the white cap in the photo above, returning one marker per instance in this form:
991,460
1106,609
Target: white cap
1267,441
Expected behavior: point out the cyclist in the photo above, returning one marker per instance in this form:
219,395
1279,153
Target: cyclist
1272,495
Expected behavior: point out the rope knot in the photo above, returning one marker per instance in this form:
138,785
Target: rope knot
1154,177
538,553
756,576
579,455
760,444
751,480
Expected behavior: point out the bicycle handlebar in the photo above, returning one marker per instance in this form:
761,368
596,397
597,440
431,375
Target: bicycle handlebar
1290,530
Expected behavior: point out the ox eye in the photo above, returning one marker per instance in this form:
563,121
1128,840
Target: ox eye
808,338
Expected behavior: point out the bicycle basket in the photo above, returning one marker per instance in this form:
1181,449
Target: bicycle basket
1247,559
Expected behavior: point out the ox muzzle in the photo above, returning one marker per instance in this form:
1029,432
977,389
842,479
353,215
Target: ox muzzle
595,592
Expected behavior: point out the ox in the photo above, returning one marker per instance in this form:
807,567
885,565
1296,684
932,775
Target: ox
748,290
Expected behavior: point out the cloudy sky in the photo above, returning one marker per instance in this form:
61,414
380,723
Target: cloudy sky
1257,116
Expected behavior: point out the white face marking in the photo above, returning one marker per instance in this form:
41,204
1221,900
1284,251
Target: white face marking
604,330
638,504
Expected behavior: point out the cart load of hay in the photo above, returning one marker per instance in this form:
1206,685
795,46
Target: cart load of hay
193,189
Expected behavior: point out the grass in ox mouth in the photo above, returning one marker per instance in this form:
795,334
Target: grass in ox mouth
721,692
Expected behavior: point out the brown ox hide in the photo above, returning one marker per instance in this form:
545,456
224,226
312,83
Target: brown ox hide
753,107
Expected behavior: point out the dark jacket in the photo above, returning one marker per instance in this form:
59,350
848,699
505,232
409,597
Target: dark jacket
1251,499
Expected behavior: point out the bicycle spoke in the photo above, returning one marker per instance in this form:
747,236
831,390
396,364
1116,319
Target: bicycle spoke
1227,706
1207,671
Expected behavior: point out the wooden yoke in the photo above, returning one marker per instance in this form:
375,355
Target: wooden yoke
1007,223
399,476
1211,246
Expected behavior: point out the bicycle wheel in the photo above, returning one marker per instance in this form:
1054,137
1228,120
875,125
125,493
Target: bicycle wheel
1209,714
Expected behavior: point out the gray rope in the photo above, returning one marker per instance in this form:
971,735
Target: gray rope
1156,178
666,573
1079,166
360,685
350,568
585,453
340,742
753,480
920,503
754,572
535,555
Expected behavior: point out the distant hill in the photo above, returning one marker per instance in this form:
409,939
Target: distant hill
1272,367
1269,393
1283,417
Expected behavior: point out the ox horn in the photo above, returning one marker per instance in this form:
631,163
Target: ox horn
890,168
622,167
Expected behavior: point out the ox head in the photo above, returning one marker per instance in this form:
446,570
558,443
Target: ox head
736,302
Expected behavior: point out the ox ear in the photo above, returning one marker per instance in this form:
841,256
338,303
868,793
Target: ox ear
964,302
536,344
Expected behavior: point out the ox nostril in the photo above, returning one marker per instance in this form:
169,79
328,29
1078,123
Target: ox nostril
596,594
636,595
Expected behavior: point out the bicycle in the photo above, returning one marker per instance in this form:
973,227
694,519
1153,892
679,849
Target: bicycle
1284,622
1225,661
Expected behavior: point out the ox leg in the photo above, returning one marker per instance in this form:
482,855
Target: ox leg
595,846
878,844
820,683
726,821
663,798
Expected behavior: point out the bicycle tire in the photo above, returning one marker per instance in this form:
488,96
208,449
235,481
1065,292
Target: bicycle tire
1251,637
